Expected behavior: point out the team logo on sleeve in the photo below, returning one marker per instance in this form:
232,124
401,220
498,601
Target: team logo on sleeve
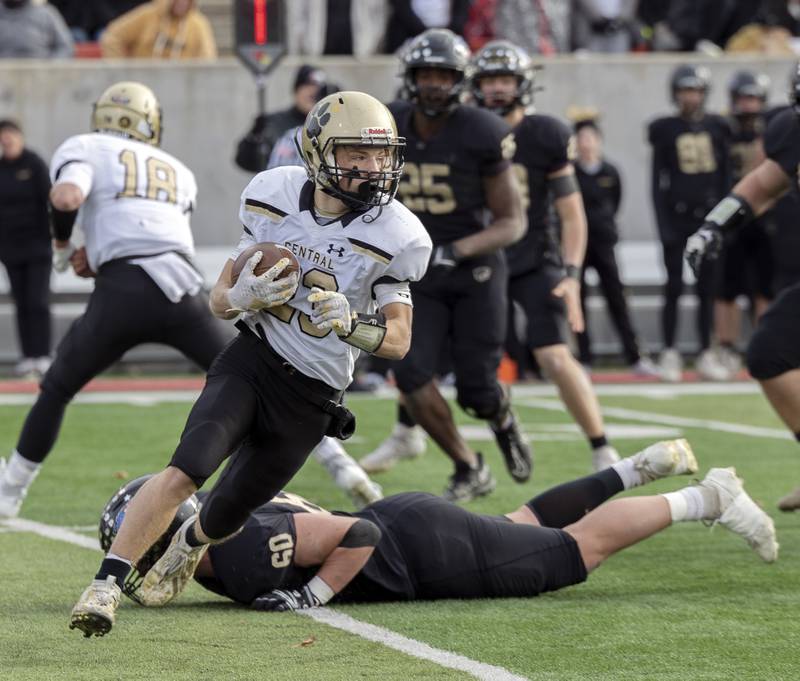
508,146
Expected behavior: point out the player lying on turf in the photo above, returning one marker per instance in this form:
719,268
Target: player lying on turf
292,554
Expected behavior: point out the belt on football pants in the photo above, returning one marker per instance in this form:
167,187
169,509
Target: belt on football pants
343,421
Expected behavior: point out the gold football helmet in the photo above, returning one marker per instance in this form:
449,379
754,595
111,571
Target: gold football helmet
352,119
131,109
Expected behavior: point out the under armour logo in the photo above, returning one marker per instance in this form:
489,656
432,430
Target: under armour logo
332,249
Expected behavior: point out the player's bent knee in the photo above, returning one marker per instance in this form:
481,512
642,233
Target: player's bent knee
764,360
360,534
482,404
553,360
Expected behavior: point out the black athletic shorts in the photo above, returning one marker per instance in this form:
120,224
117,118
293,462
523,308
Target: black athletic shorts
464,308
449,552
747,264
546,315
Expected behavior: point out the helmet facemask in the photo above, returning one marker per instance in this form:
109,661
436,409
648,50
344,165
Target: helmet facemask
433,100
501,58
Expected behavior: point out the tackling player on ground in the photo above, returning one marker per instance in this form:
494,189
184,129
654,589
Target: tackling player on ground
459,181
416,546
773,355
276,389
544,270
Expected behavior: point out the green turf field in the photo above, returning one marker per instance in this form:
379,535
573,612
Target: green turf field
690,603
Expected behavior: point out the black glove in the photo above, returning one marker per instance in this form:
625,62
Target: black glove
705,243
282,600
444,256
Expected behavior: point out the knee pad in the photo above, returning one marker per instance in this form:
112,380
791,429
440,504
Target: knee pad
485,403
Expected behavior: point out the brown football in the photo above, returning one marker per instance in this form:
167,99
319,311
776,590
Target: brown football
272,253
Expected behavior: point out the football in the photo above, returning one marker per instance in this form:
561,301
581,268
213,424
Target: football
272,253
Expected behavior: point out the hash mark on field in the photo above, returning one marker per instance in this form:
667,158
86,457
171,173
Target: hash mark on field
666,419
332,618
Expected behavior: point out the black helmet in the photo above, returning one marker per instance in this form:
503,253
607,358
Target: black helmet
436,48
794,89
748,84
111,520
503,58
690,77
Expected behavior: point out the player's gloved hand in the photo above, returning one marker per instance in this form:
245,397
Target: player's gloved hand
330,310
62,252
251,292
705,243
282,600
444,257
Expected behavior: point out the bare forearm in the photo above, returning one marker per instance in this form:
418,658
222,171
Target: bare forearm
573,229
219,303
499,234
342,565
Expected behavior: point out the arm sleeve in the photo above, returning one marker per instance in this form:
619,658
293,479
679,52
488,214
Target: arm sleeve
118,37
560,143
71,164
408,265
207,48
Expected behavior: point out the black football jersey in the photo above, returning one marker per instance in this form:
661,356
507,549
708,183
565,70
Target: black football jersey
543,147
782,142
443,179
691,170
746,144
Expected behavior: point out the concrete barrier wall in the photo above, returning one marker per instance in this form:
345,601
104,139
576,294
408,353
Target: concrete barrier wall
208,106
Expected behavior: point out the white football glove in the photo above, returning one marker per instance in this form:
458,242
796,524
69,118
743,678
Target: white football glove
61,256
330,310
251,292
704,244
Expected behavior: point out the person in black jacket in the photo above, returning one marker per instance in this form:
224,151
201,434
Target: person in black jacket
254,149
690,174
601,188
25,244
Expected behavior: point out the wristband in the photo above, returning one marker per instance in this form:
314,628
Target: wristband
367,332
573,272
320,590
730,213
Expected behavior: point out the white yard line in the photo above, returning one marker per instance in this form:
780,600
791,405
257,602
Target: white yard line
410,646
338,620
668,420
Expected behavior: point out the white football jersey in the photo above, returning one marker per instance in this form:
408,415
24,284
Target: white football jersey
348,255
138,197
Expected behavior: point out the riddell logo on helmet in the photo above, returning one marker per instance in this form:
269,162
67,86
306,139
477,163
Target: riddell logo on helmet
376,132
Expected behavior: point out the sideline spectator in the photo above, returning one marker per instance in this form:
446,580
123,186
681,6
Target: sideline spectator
256,146
33,31
409,18
480,28
537,26
601,188
603,25
162,29
25,245
318,27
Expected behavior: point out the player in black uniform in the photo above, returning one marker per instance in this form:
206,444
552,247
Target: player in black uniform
601,189
457,173
544,269
773,355
416,546
746,261
690,174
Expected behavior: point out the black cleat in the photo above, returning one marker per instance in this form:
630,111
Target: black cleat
469,484
515,449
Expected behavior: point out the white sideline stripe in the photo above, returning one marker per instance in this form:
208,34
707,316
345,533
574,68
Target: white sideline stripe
668,420
52,532
410,646
338,620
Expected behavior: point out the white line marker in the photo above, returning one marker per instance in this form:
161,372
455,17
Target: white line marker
410,646
52,532
666,419
338,620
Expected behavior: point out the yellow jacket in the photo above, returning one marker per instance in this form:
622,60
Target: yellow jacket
151,31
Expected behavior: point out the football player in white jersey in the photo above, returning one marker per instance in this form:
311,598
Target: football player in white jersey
134,202
276,390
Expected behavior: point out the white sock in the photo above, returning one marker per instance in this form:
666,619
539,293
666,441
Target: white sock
328,451
692,503
19,473
114,556
626,469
